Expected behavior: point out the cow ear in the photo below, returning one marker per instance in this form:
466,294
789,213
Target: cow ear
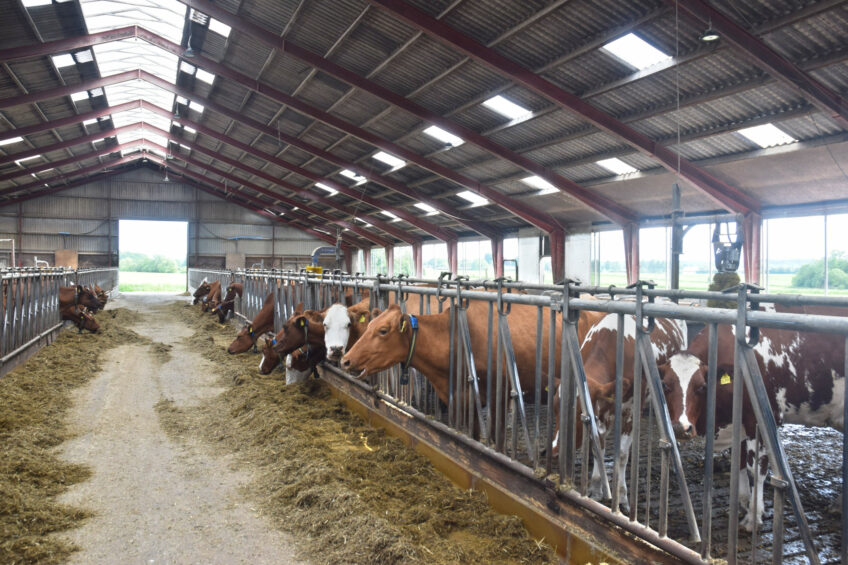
363,317
375,312
298,309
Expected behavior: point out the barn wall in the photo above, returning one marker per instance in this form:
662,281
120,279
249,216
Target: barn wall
90,213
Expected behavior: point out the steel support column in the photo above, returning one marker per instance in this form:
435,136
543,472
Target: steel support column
631,252
558,255
348,259
390,260
497,256
366,259
417,260
752,229
453,255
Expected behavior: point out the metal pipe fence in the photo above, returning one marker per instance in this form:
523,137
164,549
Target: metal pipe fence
30,303
504,393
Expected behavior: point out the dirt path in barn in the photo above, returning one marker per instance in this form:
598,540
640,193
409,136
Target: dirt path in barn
157,501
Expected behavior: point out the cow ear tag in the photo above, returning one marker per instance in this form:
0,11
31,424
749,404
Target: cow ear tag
402,326
361,318
302,322
725,379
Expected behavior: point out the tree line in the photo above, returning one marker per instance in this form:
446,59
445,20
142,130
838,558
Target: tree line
142,263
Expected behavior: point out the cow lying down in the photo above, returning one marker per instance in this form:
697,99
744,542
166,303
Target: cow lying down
803,373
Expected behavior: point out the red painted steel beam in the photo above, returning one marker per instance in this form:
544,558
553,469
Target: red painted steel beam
60,177
67,90
69,44
444,234
542,220
228,194
60,188
371,236
599,203
65,144
296,104
819,95
385,226
69,160
70,120
723,193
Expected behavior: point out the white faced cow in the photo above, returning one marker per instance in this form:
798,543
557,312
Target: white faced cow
342,327
803,377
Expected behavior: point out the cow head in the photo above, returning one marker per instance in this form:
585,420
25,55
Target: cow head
342,327
684,379
244,340
201,291
270,358
101,294
298,329
385,343
86,320
86,297
222,310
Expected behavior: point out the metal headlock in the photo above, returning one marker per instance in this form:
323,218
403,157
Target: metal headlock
469,404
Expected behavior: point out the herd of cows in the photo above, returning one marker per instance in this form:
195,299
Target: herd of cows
79,303
803,371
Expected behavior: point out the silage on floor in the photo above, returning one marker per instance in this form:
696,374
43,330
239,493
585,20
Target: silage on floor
349,492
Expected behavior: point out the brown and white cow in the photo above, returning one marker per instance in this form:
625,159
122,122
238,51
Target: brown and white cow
302,329
598,351
201,291
803,376
387,342
78,295
299,363
227,305
261,324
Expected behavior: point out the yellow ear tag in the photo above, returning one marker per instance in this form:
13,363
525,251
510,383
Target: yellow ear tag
361,318
725,379
402,326
302,322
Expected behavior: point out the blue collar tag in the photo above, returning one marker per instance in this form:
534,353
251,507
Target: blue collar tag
274,341
413,322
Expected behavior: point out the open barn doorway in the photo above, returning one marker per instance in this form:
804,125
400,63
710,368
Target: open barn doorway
152,255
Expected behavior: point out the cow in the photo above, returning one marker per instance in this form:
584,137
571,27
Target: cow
227,305
598,351
261,324
387,341
803,377
78,295
343,326
213,298
302,329
201,291
81,318
299,364
101,295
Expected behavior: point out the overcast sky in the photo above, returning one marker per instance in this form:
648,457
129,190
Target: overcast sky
154,238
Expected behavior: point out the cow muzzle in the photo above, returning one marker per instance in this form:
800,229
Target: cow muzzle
682,431
335,353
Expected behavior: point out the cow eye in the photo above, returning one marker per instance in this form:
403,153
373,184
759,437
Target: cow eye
702,389
348,325
384,331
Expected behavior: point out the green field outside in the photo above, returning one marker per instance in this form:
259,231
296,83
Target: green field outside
778,283
152,282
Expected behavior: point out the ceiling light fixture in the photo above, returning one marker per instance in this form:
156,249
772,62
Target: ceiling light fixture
166,179
709,34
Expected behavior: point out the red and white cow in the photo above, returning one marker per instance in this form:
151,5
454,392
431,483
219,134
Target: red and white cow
803,376
598,352
342,327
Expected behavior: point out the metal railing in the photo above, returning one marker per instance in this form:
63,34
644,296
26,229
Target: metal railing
521,423
30,303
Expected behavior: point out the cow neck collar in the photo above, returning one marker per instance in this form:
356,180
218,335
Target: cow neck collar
404,373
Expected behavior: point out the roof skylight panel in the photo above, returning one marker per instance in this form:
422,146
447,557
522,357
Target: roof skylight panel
616,166
766,135
427,208
389,214
10,140
77,96
394,162
63,60
473,197
219,27
35,3
30,158
444,136
205,76
635,51
187,67
85,56
328,188
189,129
506,107
353,176
197,107
538,182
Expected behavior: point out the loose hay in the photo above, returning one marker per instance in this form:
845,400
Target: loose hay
34,399
349,493
720,282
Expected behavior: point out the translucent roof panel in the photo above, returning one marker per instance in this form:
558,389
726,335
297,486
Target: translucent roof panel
163,17
767,135
635,51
